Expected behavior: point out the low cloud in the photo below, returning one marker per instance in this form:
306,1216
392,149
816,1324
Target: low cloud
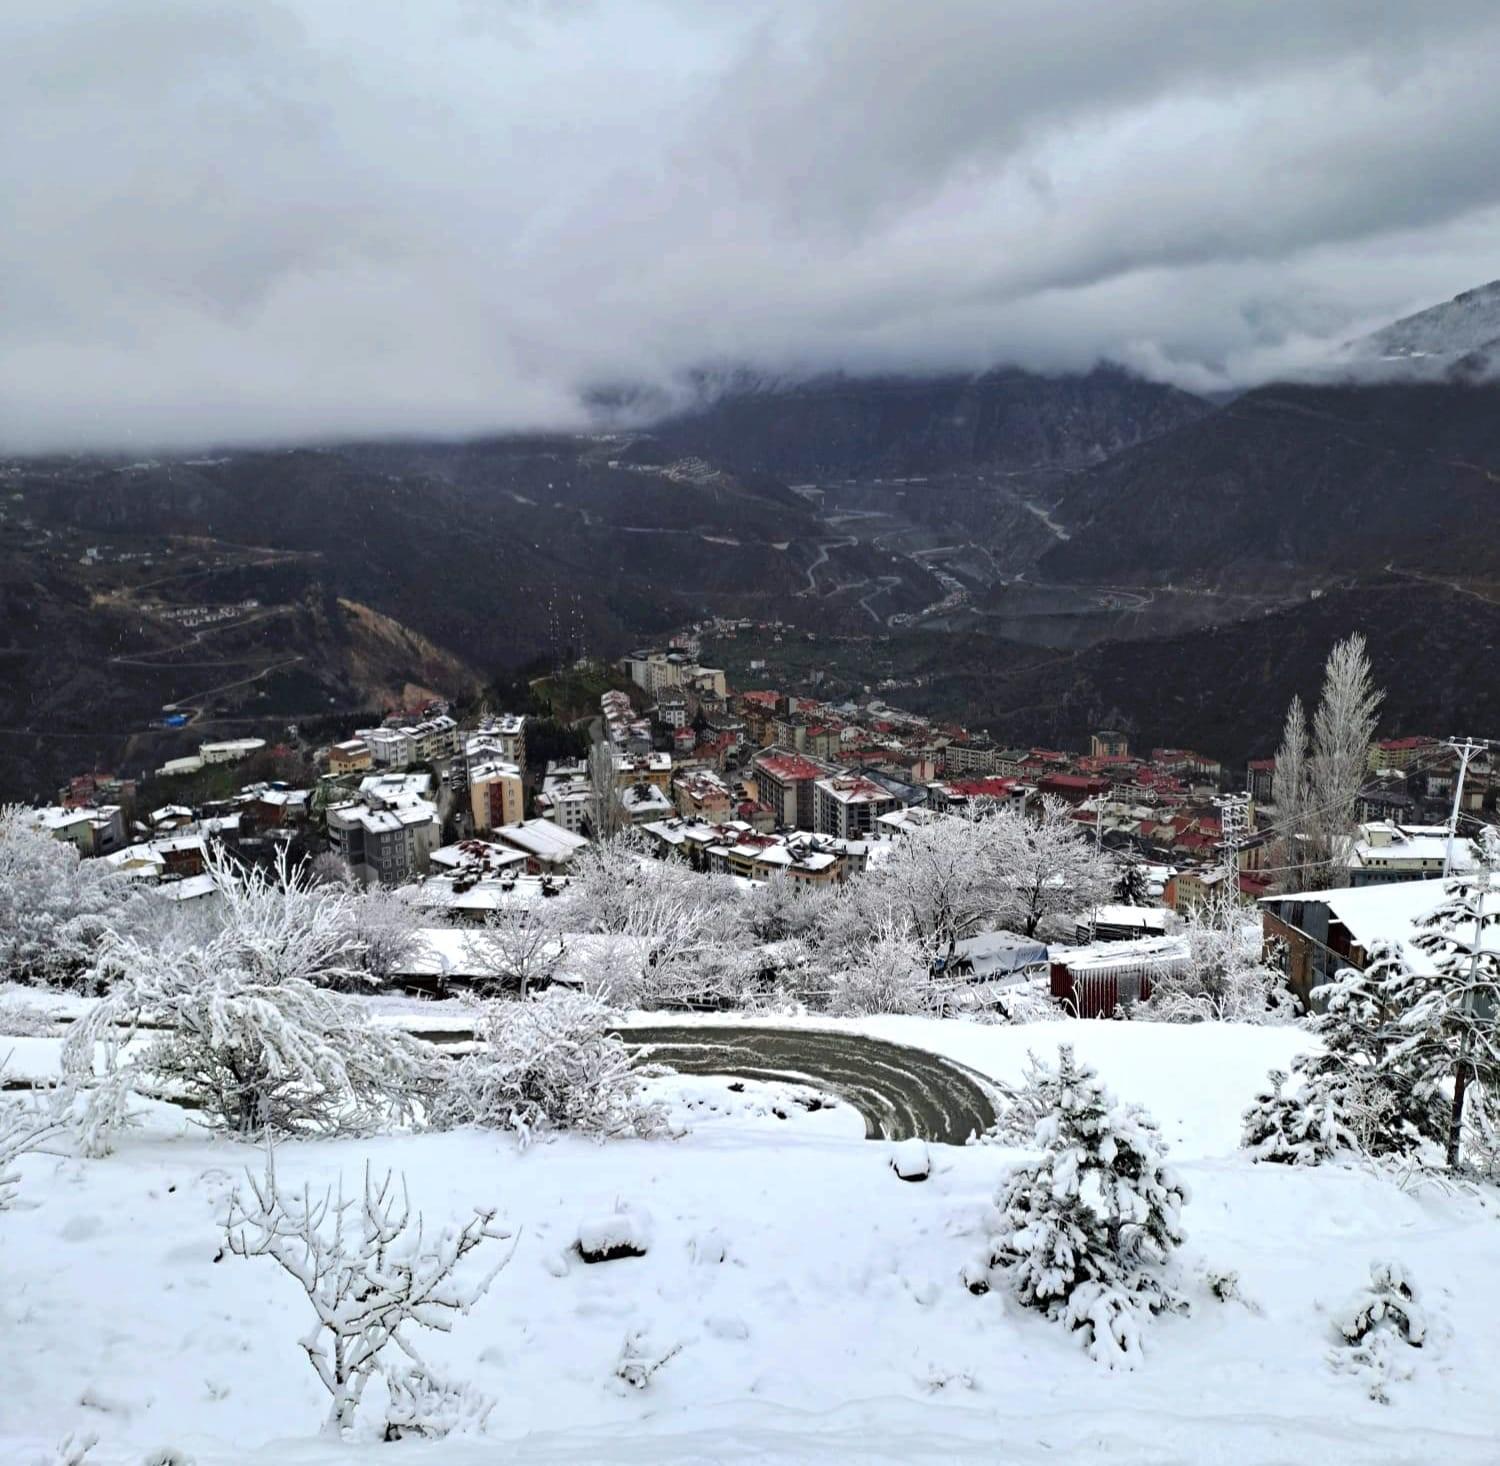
251,224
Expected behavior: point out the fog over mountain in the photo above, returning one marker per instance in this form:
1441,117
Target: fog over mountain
270,223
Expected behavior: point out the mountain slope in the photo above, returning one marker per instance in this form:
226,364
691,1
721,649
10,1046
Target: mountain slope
1458,328
1005,421
1322,481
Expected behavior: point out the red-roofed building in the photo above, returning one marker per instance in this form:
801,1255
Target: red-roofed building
1075,788
784,782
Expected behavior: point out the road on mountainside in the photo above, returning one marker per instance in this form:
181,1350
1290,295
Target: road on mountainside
899,1091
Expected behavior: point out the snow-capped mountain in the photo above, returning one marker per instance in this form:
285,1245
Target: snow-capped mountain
1466,326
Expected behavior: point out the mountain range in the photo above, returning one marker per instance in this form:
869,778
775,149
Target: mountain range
1055,551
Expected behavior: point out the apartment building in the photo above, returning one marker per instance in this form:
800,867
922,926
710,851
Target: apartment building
497,795
847,806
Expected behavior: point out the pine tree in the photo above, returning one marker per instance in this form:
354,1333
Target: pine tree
1449,1024
1087,1232
1361,1094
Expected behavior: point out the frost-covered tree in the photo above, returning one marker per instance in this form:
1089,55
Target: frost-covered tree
389,929
368,1268
890,973
1290,794
1224,976
1044,868
517,950
940,878
649,922
55,908
1342,730
244,1025
781,909
1376,1328
604,783
551,1063
1087,1232
1448,1023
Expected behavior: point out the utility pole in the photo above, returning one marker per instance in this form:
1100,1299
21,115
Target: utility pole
1234,822
1465,749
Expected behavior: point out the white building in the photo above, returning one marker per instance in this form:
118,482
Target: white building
847,806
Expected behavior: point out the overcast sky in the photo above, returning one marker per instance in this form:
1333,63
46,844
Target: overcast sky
259,222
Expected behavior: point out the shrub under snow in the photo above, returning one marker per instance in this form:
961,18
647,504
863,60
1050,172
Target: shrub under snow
1375,1328
1087,1233
551,1063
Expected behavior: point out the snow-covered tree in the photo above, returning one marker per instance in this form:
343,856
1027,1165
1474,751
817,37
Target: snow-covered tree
940,878
1448,1023
1133,885
55,908
1359,1094
551,1063
517,950
1087,1232
1377,1327
779,909
1290,794
388,925
890,973
1343,728
1224,977
244,1025
368,1268
1044,868
604,783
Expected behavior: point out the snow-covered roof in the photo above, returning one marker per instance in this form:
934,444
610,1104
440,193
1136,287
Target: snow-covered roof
542,839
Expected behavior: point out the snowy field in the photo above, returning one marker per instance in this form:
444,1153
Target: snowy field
815,1297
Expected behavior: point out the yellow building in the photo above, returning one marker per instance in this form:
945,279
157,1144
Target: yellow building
497,795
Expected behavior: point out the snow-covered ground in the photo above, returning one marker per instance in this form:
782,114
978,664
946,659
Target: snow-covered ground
834,1328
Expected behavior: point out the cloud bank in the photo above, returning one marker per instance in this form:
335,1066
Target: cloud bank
255,223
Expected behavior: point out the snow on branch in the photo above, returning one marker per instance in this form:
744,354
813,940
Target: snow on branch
368,1269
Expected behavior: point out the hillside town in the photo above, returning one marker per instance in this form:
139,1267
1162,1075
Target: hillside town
763,786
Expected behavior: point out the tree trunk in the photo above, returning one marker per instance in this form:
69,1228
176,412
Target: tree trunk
1460,1084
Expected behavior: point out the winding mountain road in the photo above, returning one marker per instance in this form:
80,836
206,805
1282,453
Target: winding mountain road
900,1092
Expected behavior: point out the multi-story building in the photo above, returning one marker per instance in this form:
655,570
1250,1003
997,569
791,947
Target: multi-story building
702,795
90,829
387,846
231,751
503,738
784,783
352,756
672,708
970,756
1385,852
642,803
497,795
651,768
1399,753
1107,743
846,806
1260,779
567,797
